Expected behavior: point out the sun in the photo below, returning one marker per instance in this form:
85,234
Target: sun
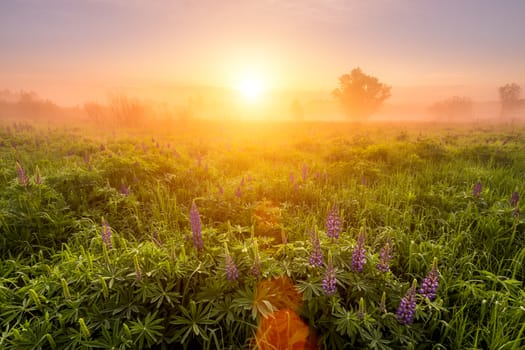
251,89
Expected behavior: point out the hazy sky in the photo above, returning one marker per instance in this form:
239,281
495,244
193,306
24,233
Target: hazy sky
68,49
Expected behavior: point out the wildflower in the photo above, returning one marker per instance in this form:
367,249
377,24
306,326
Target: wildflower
231,269
305,172
333,223
430,284
514,199
384,258
124,189
359,253
329,280
23,180
292,178
382,303
256,268
316,255
361,310
221,190
195,221
106,234
238,192
476,192
407,307
102,147
38,177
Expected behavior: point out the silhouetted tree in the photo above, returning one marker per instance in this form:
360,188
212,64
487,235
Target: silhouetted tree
509,95
360,95
453,108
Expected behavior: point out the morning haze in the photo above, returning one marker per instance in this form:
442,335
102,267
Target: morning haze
255,59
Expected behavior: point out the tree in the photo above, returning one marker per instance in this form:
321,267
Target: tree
452,108
360,95
509,95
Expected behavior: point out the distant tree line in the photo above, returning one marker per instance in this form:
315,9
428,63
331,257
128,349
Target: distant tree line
361,95
26,104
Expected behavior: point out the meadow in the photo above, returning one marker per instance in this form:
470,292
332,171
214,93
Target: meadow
261,235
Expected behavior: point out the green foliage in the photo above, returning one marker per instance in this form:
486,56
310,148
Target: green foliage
63,286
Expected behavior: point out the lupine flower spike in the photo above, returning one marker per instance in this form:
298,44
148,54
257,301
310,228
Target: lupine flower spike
333,223
316,255
305,171
231,269
329,280
384,258
430,284
476,192
407,307
106,234
195,221
38,177
361,310
382,303
359,254
514,199
23,180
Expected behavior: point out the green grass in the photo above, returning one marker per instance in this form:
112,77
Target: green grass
62,287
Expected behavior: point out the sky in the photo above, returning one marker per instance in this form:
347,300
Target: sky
74,50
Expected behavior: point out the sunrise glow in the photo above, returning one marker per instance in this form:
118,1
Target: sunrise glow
251,89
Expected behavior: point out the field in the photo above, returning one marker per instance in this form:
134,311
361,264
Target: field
262,235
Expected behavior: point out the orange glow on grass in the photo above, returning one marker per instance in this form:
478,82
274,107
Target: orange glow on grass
281,329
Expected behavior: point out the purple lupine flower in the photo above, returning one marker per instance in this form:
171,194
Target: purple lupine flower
238,192
256,268
430,284
329,280
106,234
195,221
305,171
514,199
199,160
221,190
359,253
292,178
316,255
476,192
231,269
407,307
333,223
23,180
176,154
124,189
102,147
384,258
